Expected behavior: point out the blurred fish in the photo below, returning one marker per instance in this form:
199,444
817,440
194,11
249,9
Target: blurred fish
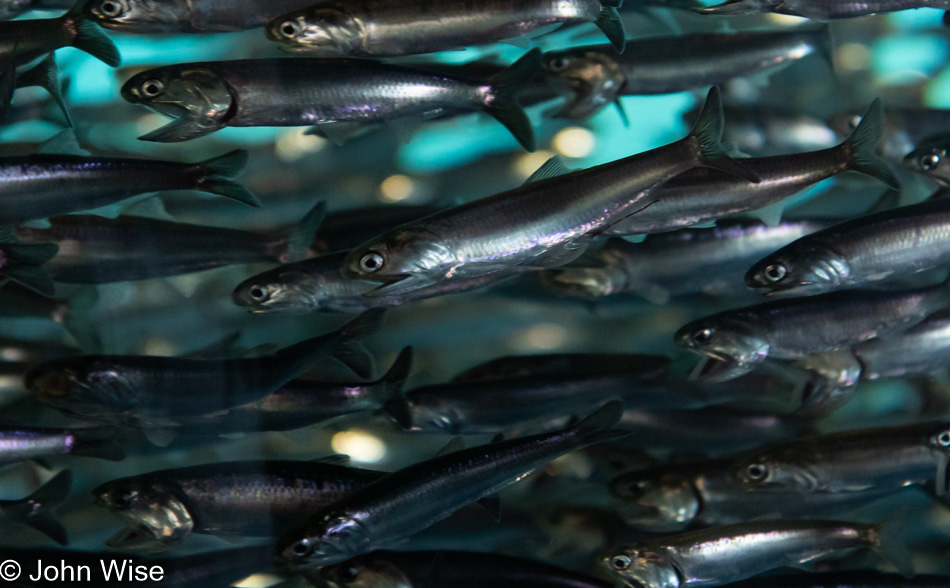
849,579
315,285
23,264
701,195
19,443
44,74
930,158
98,250
597,76
820,10
564,364
687,261
161,391
450,569
36,510
187,16
235,498
717,556
922,349
10,9
21,350
206,97
43,185
736,341
773,130
548,222
403,503
344,230
905,127
390,28
867,249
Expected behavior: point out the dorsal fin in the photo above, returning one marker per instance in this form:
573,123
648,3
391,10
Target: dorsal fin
551,169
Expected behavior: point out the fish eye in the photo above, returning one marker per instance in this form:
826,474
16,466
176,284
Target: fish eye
757,472
620,562
371,262
559,63
153,88
290,28
929,162
702,337
302,548
110,8
775,272
943,439
258,293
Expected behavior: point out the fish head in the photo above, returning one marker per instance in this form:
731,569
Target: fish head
81,386
326,30
931,159
154,511
939,437
801,269
192,92
406,259
789,468
369,571
286,290
732,346
641,566
139,16
593,78
331,539
657,503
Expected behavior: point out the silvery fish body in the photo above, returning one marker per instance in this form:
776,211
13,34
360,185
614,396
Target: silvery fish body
414,498
205,97
863,250
922,349
23,43
36,443
717,556
848,579
597,76
187,16
820,10
390,28
677,263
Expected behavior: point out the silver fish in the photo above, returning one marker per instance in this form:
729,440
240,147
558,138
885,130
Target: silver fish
548,222
922,349
820,10
206,97
390,28
403,503
720,555
36,443
930,158
187,16
864,250
736,341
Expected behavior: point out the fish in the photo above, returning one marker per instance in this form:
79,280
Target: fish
315,285
922,349
343,230
28,351
23,264
36,510
42,185
597,77
148,391
772,130
187,16
19,443
206,97
305,402
858,252
736,341
717,556
99,250
862,460
255,498
44,74
930,158
564,364
409,500
459,569
390,28
677,263
702,195
847,579
905,128
548,222
820,10
10,9
670,498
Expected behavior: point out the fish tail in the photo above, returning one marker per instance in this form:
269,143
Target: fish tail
76,319
23,264
46,76
395,404
890,541
707,134
98,442
598,426
351,351
219,177
36,510
89,37
299,239
503,103
863,142
611,24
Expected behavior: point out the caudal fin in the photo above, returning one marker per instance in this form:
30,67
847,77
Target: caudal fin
220,177
23,265
394,403
300,238
598,426
611,24
351,351
98,442
46,76
36,510
89,37
707,134
863,143
504,105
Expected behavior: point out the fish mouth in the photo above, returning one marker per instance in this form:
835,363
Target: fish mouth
717,368
138,538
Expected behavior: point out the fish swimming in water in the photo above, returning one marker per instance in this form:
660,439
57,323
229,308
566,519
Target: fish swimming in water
187,16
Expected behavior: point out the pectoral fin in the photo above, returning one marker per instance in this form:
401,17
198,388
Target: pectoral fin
182,129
